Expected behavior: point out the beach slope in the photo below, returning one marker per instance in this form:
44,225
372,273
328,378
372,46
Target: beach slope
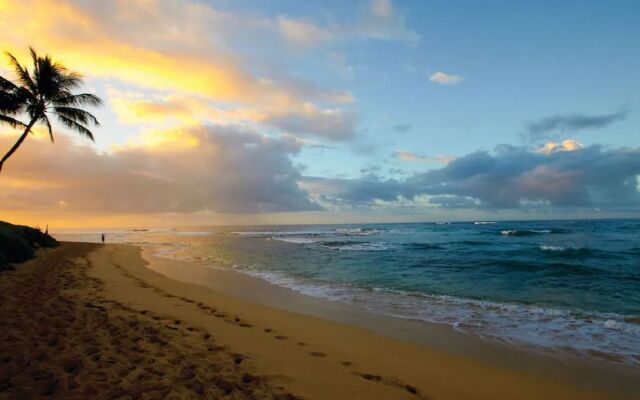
91,321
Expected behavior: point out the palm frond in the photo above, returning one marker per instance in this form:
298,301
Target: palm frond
14,123
23,74
69,123
68,80
68,99
13,99
36,66
77,115
48,77
7,85
47,123
10,103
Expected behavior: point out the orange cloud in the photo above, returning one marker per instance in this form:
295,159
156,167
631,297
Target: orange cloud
133,108
77,40
566,145
181,170
411,156
304,119
113,46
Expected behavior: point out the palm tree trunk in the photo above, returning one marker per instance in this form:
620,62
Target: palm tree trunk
18,143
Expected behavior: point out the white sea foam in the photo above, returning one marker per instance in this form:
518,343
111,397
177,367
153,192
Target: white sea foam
516,232
552,248
336,244
297,240
551,328
357,231
541,327
484,222
333,232
365,246
281,233
560,249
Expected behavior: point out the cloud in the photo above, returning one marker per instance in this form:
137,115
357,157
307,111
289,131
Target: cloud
302,33
383,21
185,47
382,8
78,39
411,156
339,63
442,78
512,178
566,145
402,128
333,124
184,170
380,20
136,108
556,125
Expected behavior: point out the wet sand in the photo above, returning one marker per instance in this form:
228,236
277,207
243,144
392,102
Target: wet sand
91,321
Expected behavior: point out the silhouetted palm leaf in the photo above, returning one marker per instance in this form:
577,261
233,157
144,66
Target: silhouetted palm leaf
76,126
45,90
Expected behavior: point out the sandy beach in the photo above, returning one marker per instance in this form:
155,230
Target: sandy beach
96,321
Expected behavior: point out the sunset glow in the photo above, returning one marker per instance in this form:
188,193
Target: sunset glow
304,115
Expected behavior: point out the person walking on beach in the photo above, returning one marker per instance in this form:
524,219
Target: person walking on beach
102,237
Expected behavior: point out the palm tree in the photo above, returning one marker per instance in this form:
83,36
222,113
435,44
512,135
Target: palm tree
42,93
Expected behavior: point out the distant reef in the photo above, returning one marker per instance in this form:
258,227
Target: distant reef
19,243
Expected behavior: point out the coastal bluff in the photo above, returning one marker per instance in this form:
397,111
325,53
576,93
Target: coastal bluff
18,243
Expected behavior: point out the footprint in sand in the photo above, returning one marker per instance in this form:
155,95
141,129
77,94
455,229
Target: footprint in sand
371,377
280,337
346,363
238,358
392,382
317,354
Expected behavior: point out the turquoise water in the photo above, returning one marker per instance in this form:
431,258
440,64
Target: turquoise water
562,285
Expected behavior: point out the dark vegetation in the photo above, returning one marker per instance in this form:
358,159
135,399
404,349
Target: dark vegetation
45,91
19,243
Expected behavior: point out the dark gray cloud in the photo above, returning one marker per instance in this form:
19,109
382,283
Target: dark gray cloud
231,170
234,170
512,177
553,127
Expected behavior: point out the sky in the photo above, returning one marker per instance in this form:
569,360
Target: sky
268,112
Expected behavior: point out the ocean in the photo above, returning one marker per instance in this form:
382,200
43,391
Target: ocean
562,286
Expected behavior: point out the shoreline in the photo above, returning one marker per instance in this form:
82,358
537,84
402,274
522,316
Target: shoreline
553,312
97,321
439,338
231,281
